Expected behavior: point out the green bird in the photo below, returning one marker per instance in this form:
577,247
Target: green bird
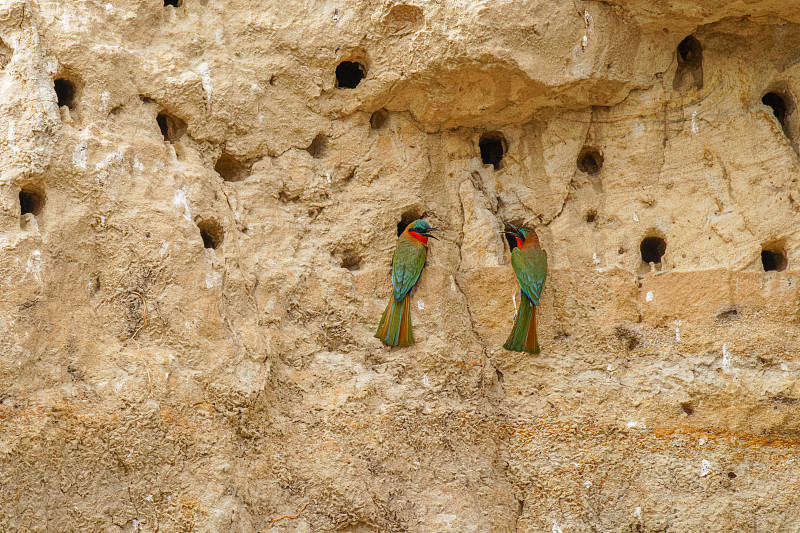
529,261
407,264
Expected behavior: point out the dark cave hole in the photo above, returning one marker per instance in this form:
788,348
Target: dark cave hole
349,74
652,249
173,3
378,119
773,258
351,260
493,147
65,92
510,239
30,201
778,105
731,475
407,218
318,146
690,53
172,128
5,54
161,119
689,73
590,160
211,233
231,169
591,216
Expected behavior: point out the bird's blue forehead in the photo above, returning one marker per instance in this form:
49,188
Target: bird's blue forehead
419,225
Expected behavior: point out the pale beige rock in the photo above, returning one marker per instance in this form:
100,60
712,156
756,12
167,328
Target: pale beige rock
151,383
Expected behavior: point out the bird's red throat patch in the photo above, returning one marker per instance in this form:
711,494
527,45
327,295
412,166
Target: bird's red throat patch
421,238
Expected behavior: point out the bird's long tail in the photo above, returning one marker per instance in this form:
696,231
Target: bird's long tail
523,338
395,326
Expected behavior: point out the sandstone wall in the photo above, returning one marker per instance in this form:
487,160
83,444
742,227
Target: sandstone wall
195,251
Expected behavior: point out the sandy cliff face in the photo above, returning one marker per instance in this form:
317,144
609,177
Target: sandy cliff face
195,251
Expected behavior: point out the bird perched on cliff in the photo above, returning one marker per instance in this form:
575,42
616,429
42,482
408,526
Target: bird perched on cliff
529,261
407,263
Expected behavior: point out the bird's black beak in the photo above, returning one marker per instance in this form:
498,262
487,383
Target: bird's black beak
427,233
516,232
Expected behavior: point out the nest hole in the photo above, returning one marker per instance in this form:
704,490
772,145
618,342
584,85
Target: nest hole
65,92
351,260
510,239
407,218
690,52
349,74
780,105
652,249
590,160
231,169
690,65
591,216
318,146
493,147
5,54
688,408
161,120
173,3
211,232
773,258
30,201
378,119
172,128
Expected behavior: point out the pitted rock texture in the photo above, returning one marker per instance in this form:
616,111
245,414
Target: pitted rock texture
195,251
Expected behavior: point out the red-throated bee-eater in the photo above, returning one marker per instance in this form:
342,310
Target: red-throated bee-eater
529,261
407,264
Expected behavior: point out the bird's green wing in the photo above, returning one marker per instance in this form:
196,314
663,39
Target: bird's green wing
530,266
407,264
